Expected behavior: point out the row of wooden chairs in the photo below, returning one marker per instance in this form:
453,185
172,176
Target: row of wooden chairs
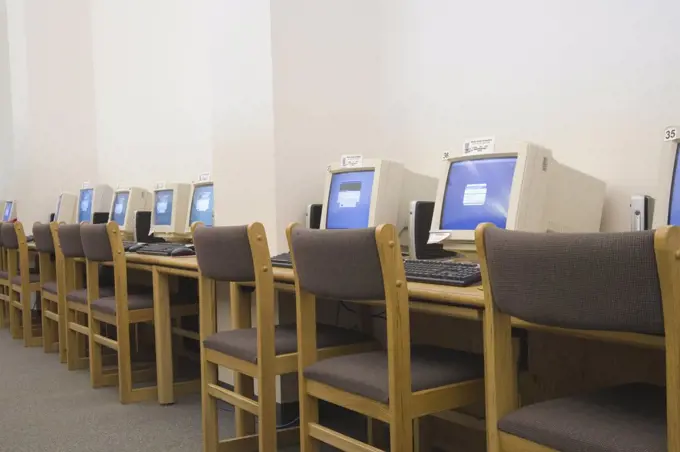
598,285
87,306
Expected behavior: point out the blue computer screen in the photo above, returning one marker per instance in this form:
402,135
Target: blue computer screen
163,208
349,201
202,205
674,204
120,207
477,191
85,207
7,215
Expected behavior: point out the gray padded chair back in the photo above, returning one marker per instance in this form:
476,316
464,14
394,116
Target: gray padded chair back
338,264
1,243
96,243
601,281
9,236
223,253
69,240
42,235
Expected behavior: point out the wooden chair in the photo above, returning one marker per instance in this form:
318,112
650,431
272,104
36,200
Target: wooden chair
623,285
103,244
49,298
396,386
23,284
72,292
238,254
4,285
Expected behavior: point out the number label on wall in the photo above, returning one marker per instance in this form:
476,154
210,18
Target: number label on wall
160,185
204,177
670,134
351,161
86,184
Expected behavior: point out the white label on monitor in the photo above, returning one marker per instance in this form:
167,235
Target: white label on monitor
474,195
482,145
160,185
351,161
670,134
204,177
437,237
86,184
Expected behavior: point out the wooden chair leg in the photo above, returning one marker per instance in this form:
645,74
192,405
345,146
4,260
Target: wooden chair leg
211,437
46,325
15,317
266,386
30,340
62,331
124,364
401,434
96,363
309,413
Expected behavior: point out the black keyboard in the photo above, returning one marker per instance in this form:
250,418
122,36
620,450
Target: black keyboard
127,244
442,272
282,260
166,249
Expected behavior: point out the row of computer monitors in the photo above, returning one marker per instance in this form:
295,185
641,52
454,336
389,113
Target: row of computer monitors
517,186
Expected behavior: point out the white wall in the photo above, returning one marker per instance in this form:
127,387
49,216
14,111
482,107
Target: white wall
52,100
594,81
6,120
153,91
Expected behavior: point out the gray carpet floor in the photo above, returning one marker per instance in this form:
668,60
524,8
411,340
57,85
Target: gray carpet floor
44,407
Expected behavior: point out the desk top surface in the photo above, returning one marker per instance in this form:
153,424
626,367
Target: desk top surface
470,296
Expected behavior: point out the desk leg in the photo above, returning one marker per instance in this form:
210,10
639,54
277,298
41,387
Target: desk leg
163,330
243,384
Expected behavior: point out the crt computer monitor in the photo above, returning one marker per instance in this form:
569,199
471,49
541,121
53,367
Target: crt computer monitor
202,204
170,209
519,187
127,201
364,196
9,211
66,208
667,203
92,200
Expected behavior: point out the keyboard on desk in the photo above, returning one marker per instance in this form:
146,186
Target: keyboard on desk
165,249
426,271
282,260
127,244
442,272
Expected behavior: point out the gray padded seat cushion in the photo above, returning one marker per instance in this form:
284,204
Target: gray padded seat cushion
80,295
139,297
107,305
366,374
628,418
32,277
242,343
50,286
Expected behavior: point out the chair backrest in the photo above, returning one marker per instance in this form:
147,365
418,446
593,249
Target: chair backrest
70,241
10,240
96,242
224,254
338,264
596,281
42,236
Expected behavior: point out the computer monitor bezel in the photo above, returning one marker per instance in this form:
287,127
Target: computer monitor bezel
72,216
191,202
385,191
670,153
128,225
178,219
521,181
12,212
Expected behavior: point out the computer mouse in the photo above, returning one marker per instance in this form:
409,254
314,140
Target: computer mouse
137,246
182,251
